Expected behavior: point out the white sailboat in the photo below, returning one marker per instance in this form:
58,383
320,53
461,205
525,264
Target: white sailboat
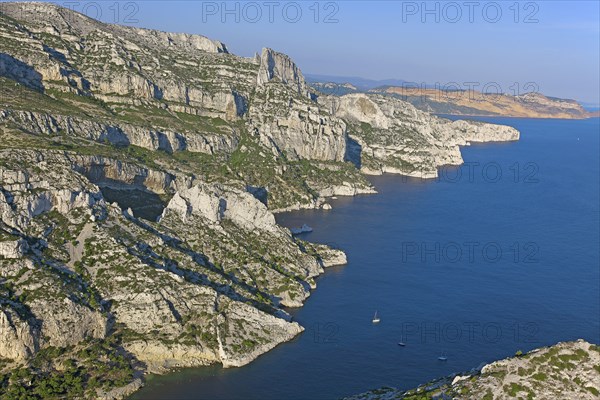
376,318
442,357
401,342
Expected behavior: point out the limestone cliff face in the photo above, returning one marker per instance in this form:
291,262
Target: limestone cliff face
390,135
19,338
106,171
13,249
279,67
183,41
59,317
197,276
119,64
18,71
288,119
122,134
301,132
217,203
25,196
219,141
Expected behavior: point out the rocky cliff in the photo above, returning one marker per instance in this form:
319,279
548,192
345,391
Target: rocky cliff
139,173
387,135
569,370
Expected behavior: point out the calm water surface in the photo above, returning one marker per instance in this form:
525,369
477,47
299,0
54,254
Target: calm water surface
476,266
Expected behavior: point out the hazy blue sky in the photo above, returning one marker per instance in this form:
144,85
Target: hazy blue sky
552,43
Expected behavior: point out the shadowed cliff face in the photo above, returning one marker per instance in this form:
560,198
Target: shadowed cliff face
20,72
143,203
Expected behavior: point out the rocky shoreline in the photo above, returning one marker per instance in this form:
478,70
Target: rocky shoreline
93,293
567,370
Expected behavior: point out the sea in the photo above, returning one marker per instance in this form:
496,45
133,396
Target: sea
496,256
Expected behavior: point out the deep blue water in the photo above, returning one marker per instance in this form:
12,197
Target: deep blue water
416,255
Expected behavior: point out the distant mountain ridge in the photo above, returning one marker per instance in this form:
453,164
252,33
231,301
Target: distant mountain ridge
362,84
458,102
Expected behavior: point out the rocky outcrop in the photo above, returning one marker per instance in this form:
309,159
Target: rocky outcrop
465,132
216,203
566,370
181,41
345,189
66,322
13,249
285,117
121,134
387,135
24,196
120,392
304,134
279,67
19,339
52,314
253,323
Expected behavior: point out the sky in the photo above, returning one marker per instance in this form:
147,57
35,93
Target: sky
551,46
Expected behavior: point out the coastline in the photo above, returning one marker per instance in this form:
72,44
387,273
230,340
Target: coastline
319,205
461,116
166,219
206,378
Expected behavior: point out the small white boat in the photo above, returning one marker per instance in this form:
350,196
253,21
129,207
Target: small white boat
376,319
442,357
401,342
303,229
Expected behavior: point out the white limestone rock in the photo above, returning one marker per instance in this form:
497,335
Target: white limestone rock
216,203
278,66
18,338
388,135
13,249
